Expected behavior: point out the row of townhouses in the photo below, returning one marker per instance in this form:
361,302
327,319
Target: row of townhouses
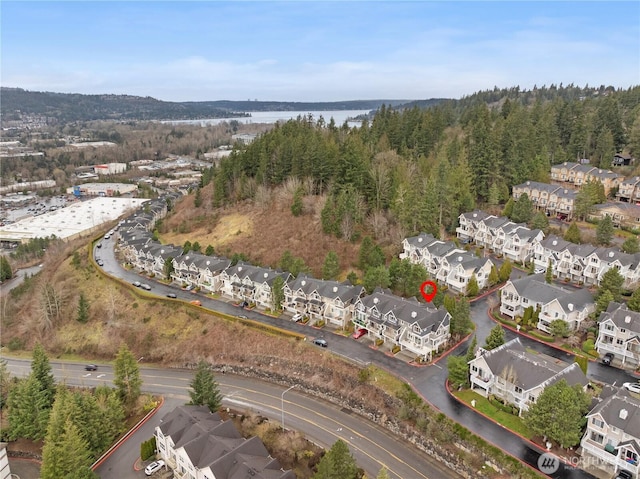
198,444
550,301
553,200
419,329
517,376
446,262
578,174
578,263
629,190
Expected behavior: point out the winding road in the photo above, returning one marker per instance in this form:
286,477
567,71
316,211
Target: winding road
323,423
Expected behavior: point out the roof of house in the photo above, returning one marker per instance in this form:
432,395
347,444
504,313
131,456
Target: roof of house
202,261
496,221
555,243
622,317
528,370
212,442
535,289
345,291
476,215
420,241
611,410
603,174
256,274
628,209
424,315
566,164
566,193
537,185
440,249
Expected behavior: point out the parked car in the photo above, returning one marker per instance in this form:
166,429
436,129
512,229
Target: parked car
624,474
633,387
91,367
100,262
195,302
607,359
172,295
145,286
242,316
99,245
153,467
297,317
136,284
320,342
359,333
188,288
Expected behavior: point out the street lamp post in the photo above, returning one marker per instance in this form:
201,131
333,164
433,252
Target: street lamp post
282,403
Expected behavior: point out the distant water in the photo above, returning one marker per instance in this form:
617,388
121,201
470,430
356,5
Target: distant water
339,117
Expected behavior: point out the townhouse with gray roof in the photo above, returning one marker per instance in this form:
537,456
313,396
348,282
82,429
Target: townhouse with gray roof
468,225
611,441
622,214
159,255
629,190
517,376
619,334
199,270
253,284
446,262
578,174
318,299
198,444
418,328
552,302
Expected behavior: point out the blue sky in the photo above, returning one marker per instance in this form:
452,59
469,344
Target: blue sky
315,51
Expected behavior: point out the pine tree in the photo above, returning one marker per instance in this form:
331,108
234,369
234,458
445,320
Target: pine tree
471,351
612,281
127,376
41,371
67,456
572,235
495,338
602,303
559,413
634,301
494,278
604,231
83,309
331,266
204,388
505,270
630,245
472,287
5,384
209,251
461,318
297,206
548,276
29,410
277,293
337,463
5,269
458,370
522,209
508,208
540,221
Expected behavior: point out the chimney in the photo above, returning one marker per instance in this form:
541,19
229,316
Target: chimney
623,414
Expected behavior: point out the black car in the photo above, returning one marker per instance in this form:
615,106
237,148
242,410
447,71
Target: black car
91,367
607,359
623,474
320,342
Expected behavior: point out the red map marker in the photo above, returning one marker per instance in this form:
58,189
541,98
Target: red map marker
428,290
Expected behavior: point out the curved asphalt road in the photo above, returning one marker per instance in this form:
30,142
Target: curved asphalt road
428,381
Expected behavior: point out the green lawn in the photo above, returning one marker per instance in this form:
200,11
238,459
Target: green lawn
514,423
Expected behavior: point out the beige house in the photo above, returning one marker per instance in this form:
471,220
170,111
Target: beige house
629,190
612,438
517,376
619,334
578,174
622,214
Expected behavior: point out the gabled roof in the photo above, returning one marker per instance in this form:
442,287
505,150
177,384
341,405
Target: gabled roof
535,289
346,292
611,410
625,208
527,370
527,234
537,185
440,249
420,241
622,317
213,443
496,221
475,216
566,193
165,251
567,164
256,274
555,243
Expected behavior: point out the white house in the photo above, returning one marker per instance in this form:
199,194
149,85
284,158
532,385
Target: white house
198,444
245,282
619,334
199,270
517,376
612,436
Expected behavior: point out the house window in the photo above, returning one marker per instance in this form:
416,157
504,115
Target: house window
623,330
597,422
518,390
619,342
595,437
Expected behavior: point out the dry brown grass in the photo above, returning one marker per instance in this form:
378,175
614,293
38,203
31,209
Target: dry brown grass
263,233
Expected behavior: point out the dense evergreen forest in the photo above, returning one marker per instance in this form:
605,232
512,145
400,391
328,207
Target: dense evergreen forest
421,167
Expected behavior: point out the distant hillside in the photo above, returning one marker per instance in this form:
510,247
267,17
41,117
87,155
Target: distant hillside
67,107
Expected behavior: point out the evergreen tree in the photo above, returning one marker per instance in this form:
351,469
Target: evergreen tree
186,247
112,413
41,371
337,463
277,293
630,245
29,410
559,413
540,221
522,209
505,270
559,328
67,456
634,301
331,266
5,269
374,277
204,388
508,208
602,303
458,371
471,351
297,206
604,231
472,287
5,384
612,281
461,322
494,278
495,338
197,201
532,268
209,251
83,309
548,276
196,247
572,235
127,376
352,277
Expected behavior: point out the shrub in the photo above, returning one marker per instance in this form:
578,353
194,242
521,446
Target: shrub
396,349
379,342
588,346
148,448
542,336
